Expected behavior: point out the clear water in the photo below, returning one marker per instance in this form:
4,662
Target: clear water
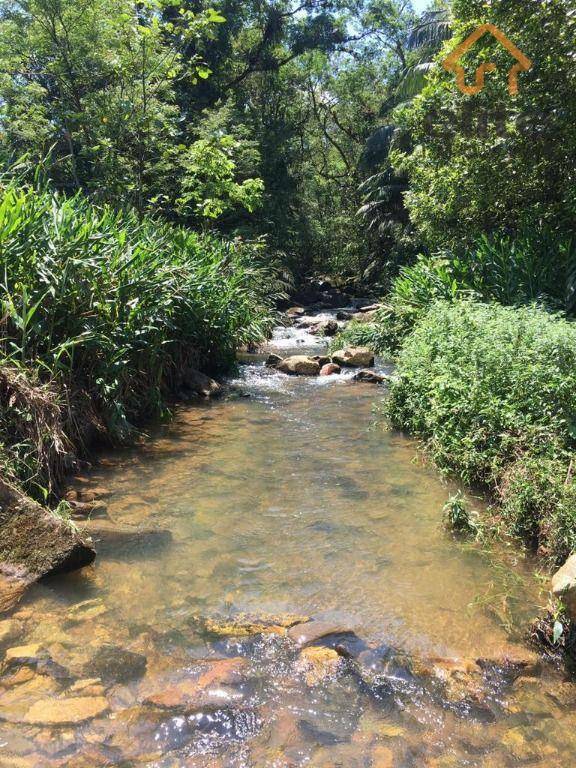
289,500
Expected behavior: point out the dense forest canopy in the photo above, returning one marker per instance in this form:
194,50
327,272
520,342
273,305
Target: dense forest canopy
328,127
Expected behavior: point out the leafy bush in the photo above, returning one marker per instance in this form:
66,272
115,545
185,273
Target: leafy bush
492,390
535,265
383,335
116,306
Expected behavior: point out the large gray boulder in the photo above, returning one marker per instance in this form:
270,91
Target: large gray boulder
272,360
564,585
354,357
299,365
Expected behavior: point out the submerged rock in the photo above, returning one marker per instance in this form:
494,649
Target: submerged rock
246,624
514,662
344,316
10,630
24,654
318,663
87,495
22,660
88,686
369,377
299,365
34,542
68,711
354,357
86,510
315,630
564,585
114,664
464,688
109,535
519,741
382,757
209,688
87,610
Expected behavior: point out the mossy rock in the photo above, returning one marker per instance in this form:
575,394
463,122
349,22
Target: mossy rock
34,542
247,624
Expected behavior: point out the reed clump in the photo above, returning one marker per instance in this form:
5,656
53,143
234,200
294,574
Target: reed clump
101,312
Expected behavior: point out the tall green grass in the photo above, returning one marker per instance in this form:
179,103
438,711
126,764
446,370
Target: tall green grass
114,306
535,265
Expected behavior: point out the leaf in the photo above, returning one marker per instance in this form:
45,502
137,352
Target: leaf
214,16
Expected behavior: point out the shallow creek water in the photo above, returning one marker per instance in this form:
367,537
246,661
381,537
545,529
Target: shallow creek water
288,500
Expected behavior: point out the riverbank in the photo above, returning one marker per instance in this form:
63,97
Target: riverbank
106,317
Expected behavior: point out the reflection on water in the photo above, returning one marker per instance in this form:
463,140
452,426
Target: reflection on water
286,501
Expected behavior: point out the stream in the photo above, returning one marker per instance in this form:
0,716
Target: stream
281,502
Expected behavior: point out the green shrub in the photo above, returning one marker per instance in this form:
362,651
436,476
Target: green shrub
536,265
492,390
384,334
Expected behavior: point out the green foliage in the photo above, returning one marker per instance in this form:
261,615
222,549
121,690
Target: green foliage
209,186
93,86
117,305
492,162
383,335
492,391
458,518
249,116
536,265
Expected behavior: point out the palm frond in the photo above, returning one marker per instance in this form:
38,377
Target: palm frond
432,29
414,79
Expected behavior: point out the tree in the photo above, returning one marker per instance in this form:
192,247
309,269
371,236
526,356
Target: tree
92,84
495,162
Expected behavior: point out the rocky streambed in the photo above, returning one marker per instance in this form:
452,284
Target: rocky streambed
151,700
273,588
